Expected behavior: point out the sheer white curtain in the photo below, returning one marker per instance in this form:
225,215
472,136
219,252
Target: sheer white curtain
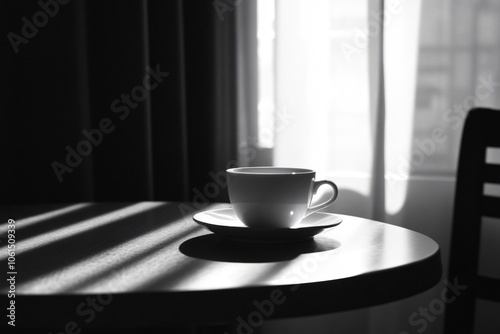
440,59
385,126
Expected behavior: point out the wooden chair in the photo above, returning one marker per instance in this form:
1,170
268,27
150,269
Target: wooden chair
481,130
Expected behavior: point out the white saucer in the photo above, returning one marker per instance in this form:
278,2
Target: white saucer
225,223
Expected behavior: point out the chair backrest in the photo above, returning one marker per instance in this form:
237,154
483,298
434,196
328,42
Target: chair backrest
481,132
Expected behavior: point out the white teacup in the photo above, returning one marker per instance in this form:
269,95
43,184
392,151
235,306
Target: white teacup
274,197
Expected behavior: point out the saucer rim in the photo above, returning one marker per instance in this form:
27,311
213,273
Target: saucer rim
338,220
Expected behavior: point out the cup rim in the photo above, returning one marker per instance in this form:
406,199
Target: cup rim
289,170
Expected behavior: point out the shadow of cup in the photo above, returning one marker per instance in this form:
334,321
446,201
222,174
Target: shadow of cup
215,248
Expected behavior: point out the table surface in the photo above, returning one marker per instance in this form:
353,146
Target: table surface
149,264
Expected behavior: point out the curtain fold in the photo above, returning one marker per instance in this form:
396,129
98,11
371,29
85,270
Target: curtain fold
118,63
377,107
167,39
119,100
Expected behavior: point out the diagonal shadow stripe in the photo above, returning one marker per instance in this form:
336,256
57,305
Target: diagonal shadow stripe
174,275
131,260
27,215
24,211
96,221
177,276
191,267
36,227
63,252
135,277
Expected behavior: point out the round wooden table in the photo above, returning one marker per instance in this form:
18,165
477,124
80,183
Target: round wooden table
148,265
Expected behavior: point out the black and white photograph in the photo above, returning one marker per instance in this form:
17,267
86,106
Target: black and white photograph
250,166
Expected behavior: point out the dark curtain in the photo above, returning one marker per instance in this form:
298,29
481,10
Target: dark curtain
123,100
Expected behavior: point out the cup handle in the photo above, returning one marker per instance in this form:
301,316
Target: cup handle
316,185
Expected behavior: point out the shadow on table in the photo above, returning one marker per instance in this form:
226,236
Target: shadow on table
75,248
214,248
